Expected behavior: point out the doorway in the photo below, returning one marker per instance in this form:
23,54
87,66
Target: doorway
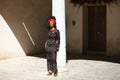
96,28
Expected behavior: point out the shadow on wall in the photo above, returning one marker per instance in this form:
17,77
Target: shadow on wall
28,21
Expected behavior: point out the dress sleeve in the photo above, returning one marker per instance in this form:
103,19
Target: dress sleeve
57,38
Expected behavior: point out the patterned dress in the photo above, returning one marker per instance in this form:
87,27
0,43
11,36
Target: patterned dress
52,44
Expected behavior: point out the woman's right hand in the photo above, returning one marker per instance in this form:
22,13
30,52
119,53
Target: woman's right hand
45,44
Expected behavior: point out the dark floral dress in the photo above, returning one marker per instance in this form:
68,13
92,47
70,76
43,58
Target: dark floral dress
52,45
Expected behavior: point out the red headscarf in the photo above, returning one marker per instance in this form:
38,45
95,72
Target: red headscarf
52,20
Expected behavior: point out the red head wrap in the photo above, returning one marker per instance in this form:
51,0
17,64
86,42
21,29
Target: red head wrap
52,20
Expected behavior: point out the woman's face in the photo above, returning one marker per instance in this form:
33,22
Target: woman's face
51,24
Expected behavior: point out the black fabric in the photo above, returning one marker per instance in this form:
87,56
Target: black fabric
52,44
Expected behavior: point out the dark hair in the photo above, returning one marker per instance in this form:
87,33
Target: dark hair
52,17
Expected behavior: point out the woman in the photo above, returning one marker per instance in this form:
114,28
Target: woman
52,46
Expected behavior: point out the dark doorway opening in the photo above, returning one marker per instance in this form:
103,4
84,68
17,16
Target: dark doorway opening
96,29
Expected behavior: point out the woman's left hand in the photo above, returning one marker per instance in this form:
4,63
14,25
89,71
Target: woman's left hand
57,49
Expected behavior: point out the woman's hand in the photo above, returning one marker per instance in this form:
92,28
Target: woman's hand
57,49
45,44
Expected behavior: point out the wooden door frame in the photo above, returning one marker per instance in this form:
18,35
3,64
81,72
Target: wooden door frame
85,31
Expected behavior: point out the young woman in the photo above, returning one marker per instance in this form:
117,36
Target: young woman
52,46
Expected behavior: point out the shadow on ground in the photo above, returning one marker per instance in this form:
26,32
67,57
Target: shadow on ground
95,57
